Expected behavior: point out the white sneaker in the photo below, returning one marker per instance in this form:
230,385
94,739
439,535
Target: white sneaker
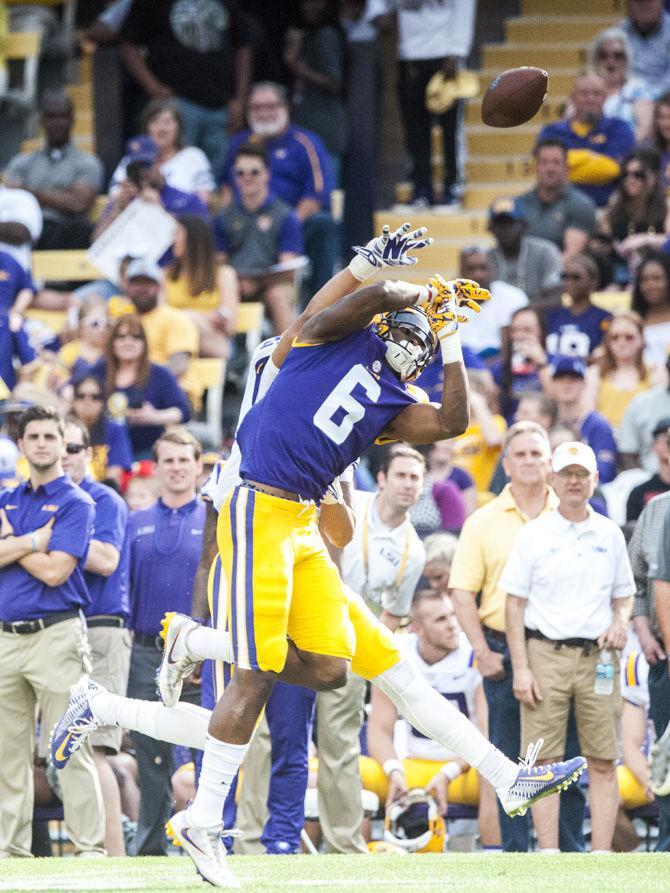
205,847
176,662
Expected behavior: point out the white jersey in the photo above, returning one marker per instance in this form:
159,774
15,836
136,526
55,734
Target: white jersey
456,678
634,673
226,473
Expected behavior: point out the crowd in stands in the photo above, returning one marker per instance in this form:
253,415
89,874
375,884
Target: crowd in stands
235,161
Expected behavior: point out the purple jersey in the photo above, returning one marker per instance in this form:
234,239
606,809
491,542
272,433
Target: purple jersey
326,406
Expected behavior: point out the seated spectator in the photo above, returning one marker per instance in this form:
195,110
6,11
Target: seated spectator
81,354
184,167
301,174
648,31
171,336
20,224
568,389
629,98
556,210
538,407
440,548
110,441
644,412
637,214
660,139
148,394
477,450
523,365
194,284
144,180
448,495
63,179
486,338
141,492
613,272
198,53
651,299
258,234
577,330
659,482
596,144
533,265
315,56
619,373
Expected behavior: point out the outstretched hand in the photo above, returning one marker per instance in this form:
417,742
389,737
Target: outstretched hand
442,301
389,250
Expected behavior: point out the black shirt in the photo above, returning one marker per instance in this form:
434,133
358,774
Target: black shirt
639,496
190,45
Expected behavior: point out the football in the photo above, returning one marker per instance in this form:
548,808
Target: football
514,97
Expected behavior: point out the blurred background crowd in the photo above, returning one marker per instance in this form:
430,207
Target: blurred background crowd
175,187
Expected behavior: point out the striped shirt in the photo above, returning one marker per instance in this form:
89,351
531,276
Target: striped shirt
643,550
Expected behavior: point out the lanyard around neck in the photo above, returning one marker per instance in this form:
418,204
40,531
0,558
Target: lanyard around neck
366,547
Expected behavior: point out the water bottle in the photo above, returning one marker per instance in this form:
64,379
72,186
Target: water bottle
604,682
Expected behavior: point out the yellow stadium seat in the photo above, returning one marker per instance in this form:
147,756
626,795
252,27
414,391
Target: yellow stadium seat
64,266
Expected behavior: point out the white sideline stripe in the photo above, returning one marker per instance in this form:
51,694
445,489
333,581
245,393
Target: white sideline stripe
117,882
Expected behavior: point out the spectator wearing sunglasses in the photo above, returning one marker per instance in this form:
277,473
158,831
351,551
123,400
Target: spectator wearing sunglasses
578,329
88,347
637,215
260,237
629,97
111,450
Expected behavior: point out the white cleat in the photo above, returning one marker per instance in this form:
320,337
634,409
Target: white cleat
205,847
535,782
176,662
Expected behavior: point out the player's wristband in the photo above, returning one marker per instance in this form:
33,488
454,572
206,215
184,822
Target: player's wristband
451,770
391,766
360,268
33,542
450,346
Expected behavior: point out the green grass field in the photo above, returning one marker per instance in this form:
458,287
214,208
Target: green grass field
348,874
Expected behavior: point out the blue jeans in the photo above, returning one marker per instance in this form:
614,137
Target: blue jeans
505,734
289,714
207,129
659,711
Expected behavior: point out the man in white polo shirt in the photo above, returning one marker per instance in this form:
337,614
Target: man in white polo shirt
383,563
569,590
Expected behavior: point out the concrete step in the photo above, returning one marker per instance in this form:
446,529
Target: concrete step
564,55
586,8
540,28
502,142
462,225
478,196
494,169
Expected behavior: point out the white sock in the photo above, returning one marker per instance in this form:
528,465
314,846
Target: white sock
182,724
219,768
436,718
205,643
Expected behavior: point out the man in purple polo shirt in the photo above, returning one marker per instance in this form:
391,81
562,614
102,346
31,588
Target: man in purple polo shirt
165,545
45,529
106,576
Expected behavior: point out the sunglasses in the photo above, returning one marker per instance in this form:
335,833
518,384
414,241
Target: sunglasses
571,276
637,175
120,336
580,475
85,396
73,448
252,172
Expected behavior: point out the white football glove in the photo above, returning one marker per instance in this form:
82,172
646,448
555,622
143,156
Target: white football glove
388,250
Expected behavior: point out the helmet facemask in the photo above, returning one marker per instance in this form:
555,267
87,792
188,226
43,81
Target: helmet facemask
410,342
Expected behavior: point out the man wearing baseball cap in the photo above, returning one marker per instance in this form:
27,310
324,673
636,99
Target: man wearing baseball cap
568,385
531,264
569,590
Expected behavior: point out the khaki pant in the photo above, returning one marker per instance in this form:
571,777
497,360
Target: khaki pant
566,674
36,671
252,806
110,663
339,717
